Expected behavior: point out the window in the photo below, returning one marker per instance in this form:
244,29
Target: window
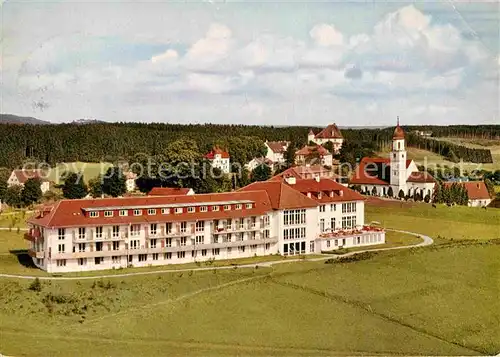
81,233
181,255
335,242
153,243
82,261
322,208
153,229
241,249
135,230
332,224
94,214
108,213
168,242
238,206
190,209
61,262
98,246
168,227
60,248
116,245
229,250
253,220
81,247
215,251
143,257
349,207
294,233
254,235
178,210
349,222
343,241
311,247
200,226
61,232
165,211
241,236
167,256
203,209
151,212
248,206
292,217
137,212
215,208
183,227
333,207
253,247
183,241
98,260
200,239
98,232
204,253
115,259
227,207
155,256
123,213
322,225
266,233
268,246
116,231
134,244
328,244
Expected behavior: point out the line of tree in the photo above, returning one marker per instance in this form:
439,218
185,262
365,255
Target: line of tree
22,196
451,194
452,152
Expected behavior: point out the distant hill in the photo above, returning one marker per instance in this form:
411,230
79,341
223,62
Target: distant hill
87,121
15,119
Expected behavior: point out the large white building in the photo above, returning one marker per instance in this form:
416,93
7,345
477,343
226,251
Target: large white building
317,155
379,176
274,217
219,159
19,177
329,134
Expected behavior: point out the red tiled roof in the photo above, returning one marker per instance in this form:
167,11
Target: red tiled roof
71,213
277,146
476,190
217,150
330,132
300,171
168,191
281,195
307,150
373,171
24,175
326,186
420,176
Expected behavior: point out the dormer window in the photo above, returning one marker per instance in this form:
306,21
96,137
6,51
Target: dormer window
238,206
203,209
137,212
108,213
190,209
248,205
123,213
215,208
178,210
94,214
165,211
227,207
151,212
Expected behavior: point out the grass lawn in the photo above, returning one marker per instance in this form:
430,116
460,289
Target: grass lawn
89,169
402,302
456,222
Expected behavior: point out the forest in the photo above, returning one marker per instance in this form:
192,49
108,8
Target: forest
113,141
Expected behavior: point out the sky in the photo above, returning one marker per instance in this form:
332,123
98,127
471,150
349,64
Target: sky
307,63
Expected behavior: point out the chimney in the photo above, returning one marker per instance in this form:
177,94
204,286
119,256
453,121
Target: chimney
317,178
290,180
309,194
331,193
341,193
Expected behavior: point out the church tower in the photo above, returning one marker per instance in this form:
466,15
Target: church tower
398,160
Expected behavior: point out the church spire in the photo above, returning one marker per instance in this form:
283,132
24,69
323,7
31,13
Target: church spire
398,120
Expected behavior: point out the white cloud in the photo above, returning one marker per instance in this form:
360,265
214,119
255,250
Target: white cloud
168,55
326,35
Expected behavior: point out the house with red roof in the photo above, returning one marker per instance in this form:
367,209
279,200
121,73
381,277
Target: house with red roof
19,178
289,217
476,191
379,176
170,191
329,134
220,159
306,172
276,151
313,154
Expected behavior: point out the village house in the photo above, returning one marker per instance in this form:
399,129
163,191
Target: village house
306,172
219,159
476,191
19,177
292,217
258,161
329,134
315,155
276,151
130,178
379,176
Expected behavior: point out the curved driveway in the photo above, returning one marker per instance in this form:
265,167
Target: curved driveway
426,241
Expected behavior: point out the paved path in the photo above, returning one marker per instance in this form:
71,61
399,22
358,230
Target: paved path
426,241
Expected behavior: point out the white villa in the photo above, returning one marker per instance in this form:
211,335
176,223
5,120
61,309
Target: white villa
324,157
19,177
220,159
329,134
288,217
396,173
276,151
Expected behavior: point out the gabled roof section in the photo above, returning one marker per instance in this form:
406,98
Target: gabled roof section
217,151
330,132
307,150
23,175
281,195
277,146
373,171
326,190
299,171
421,177
168,191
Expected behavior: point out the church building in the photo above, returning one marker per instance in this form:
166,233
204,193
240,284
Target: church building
393,175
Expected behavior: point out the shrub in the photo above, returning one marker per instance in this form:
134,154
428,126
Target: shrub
352,258
36,285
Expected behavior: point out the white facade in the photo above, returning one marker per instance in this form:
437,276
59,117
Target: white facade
14,181
276,156
222,163
479,202
130,184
